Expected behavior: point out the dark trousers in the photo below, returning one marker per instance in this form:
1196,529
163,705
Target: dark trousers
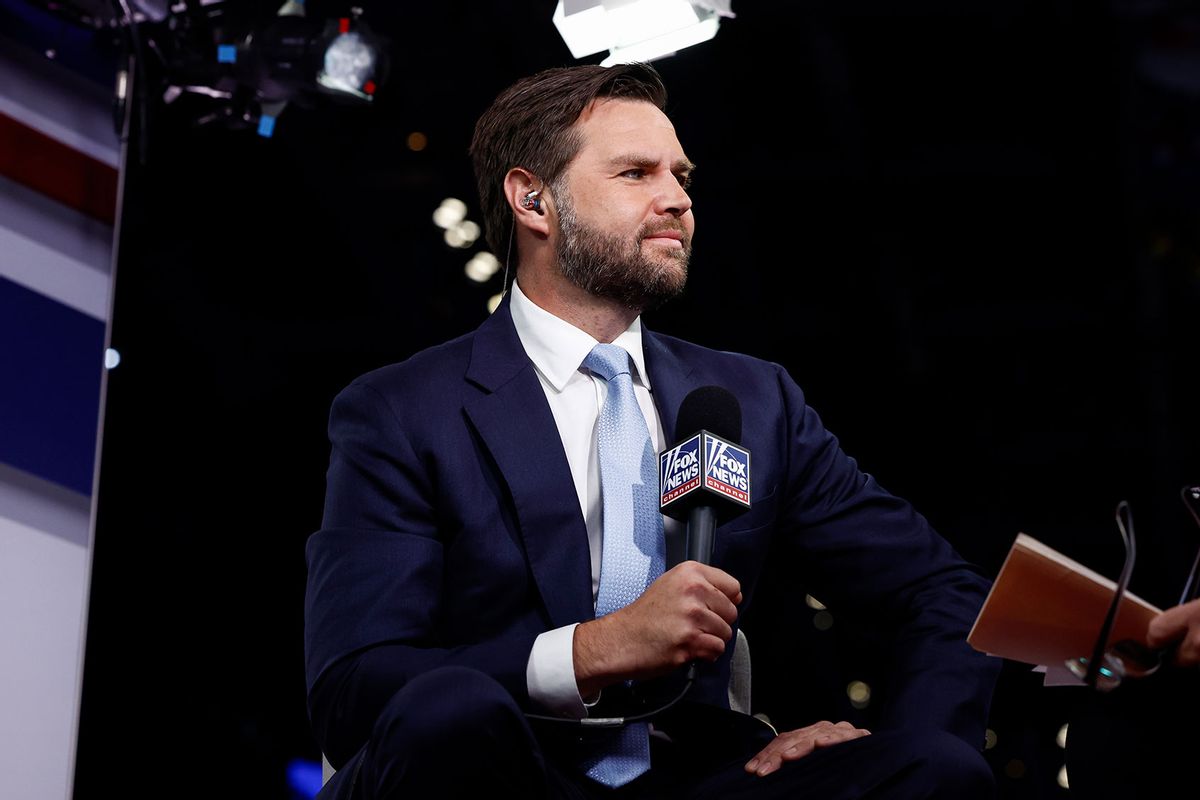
455,732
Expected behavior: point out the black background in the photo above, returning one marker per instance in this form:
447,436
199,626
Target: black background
968,230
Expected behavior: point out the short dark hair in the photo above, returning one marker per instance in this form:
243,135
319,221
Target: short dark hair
532,125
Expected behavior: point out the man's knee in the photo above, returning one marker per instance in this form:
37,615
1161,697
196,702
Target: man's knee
951,768
452,732
443,705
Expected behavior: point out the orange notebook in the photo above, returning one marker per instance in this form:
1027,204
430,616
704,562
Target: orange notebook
1045,608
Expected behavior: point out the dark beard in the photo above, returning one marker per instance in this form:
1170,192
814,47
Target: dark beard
610,267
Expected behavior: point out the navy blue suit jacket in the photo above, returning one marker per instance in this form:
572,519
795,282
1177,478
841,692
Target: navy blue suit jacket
452,534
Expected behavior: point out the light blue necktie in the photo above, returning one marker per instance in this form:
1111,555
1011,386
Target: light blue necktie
634,550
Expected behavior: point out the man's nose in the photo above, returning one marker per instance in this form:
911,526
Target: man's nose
673,199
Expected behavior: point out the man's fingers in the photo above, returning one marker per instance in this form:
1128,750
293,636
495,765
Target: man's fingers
1166,628
725,583
1181,625
686,614
715,626
774,754
799,743
1188,653
722,606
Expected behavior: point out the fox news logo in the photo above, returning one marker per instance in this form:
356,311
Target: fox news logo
727,469
679,470
704,460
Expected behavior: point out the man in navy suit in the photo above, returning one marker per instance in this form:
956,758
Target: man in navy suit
451,606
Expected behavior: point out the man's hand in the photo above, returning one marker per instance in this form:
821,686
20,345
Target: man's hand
1179,624
792,745
683,616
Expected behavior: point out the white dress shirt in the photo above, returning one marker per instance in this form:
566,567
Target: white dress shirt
575,395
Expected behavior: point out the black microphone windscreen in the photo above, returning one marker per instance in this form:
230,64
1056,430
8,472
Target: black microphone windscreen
713,409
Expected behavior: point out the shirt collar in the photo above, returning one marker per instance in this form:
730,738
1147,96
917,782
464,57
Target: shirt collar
557,348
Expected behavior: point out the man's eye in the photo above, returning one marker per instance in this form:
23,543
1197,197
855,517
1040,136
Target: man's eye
684,180
633,173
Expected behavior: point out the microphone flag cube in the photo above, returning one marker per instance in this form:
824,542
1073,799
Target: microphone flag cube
703,469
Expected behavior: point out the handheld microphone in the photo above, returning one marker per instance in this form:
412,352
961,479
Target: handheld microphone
705,478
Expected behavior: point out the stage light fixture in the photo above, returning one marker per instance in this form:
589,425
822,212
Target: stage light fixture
295,58
256,67
294,54
637,30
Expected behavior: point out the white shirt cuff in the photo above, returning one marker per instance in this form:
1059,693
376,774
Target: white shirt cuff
550,674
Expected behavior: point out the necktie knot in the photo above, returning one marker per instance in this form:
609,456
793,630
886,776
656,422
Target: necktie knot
608,361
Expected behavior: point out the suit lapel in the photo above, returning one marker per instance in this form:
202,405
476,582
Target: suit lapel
670,382
515,423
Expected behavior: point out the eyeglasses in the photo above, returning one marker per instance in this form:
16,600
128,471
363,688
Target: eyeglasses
1108,666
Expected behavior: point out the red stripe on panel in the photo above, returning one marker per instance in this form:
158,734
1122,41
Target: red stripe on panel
58,171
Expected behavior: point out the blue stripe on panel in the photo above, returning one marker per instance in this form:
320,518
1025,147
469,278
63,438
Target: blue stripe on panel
50,368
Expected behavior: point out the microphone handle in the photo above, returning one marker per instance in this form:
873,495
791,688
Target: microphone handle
701,531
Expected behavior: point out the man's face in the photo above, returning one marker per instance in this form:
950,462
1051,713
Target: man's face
625,220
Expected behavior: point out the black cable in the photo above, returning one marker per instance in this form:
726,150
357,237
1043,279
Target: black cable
618,722
1125,526
1191,589
139,78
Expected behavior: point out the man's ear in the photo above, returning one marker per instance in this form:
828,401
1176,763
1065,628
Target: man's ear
526,196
